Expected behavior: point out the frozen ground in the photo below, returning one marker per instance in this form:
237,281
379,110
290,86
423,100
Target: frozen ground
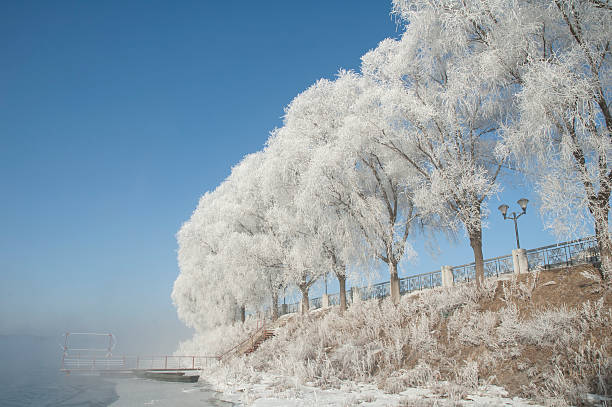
277,391
143,392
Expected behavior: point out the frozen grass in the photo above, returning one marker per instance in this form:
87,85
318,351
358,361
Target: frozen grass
452,341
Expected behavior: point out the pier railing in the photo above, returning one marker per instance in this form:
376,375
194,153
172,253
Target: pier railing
92,363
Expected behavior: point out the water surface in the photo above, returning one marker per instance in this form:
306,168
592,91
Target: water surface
30,376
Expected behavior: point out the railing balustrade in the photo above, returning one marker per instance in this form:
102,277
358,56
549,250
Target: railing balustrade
493,267
420,281
169,362
498,265
315,303
574,252
564,254
380,290
293,307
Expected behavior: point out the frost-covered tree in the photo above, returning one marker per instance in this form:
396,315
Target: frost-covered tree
564,133
441,118
254,253
360,178
555,56
228,255
312,121
296,235
197,294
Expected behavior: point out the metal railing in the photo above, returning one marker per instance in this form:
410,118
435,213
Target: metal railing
316,303
493,267
420,282
498,265
79,363
288,308
574,252
570,253
380,290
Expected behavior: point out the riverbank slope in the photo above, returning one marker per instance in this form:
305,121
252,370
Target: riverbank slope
543,336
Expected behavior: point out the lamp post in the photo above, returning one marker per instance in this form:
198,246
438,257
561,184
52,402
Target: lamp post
504,210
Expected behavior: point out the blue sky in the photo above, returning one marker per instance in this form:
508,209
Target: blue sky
116,116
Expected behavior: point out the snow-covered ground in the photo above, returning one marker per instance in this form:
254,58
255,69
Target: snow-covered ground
275,391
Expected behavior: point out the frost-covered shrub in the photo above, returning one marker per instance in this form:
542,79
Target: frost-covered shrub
452,390
421,375
234,374
509,323
357,361
557,328
571,378
593,315
516,288
445,300
421,337
371,339
552,327
488,288
559,388
468,375
426,339
471,327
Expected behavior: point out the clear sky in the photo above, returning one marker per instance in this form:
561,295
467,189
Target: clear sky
115,117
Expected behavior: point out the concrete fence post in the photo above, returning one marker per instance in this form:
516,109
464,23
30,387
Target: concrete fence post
325,301
284,309
356,294
448,279
519,261
300,306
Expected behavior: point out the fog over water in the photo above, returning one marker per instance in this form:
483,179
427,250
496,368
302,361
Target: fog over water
30,376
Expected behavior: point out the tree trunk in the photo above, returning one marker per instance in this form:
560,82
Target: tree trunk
476,243
242,313
342,283
604,244
305,301
274,305
394,283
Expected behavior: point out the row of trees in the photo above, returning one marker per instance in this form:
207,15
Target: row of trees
415,142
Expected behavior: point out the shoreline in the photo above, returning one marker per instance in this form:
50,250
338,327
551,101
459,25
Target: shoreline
277,391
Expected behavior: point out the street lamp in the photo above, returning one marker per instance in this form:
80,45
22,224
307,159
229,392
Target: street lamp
504,210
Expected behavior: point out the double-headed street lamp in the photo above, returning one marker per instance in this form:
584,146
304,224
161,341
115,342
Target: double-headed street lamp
504,210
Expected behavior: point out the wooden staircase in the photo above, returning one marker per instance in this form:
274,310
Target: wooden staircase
252,343
265,335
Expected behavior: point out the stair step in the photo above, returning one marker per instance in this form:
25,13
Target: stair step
267,334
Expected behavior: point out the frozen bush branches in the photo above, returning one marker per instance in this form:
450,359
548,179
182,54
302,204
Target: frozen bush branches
453,341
